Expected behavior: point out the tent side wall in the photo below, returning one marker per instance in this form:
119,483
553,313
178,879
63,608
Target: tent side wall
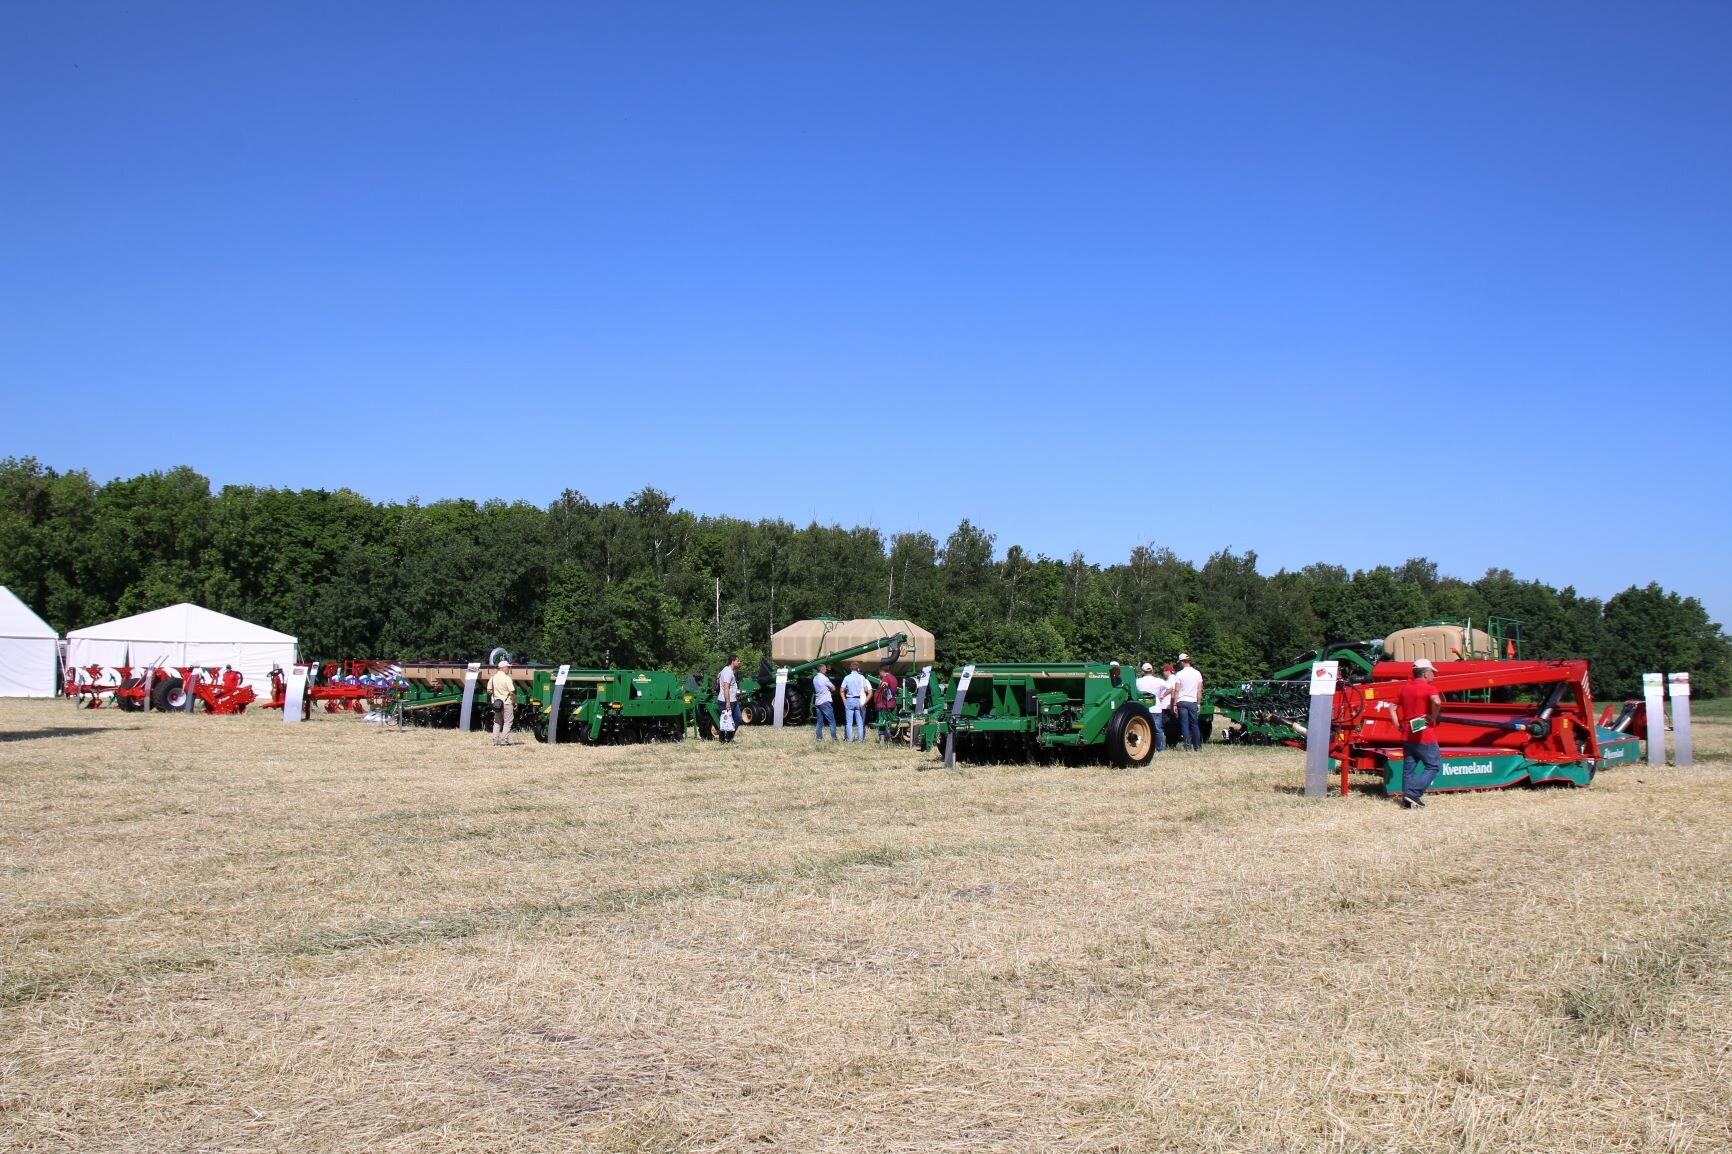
27,666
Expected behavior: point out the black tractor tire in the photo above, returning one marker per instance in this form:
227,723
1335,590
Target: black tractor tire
1206,727
706,724
127,704
1131,736
168,695
793,708
751,713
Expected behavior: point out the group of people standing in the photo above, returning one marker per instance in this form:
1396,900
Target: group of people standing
1174,692
856,690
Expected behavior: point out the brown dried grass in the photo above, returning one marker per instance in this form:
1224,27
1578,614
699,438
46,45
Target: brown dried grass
232,934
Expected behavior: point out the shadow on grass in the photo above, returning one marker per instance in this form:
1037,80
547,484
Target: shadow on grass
1333,789
59,731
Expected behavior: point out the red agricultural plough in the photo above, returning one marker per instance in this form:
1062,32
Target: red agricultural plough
218,689
356,686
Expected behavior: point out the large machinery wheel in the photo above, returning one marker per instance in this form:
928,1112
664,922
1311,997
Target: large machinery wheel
127,704
793,708
706,724
169,694
1131,736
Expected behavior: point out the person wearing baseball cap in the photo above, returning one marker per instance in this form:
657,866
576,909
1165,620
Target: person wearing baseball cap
1188,690
503,690
1417,705
1151,689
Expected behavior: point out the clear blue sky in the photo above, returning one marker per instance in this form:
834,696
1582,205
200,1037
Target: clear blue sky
1345,282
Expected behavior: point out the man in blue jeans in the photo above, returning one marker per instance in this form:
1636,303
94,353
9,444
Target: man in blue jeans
1188,689
822,703
1417,706
855,690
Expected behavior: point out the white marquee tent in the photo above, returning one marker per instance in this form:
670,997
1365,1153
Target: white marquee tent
184,635
29,650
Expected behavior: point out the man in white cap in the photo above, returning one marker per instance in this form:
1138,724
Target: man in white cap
1188,688
503,690
1417,706
1154,688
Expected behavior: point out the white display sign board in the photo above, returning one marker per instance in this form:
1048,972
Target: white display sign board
1325,679
1683,753
553,706
470,676
781,698
1653,696
294,693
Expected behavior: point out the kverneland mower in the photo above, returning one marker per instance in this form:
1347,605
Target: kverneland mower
1538,728
1272,711
1033,712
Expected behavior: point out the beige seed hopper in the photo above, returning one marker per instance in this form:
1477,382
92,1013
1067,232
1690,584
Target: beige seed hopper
807,641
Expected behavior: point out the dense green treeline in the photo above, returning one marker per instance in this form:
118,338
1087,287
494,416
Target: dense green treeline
633,584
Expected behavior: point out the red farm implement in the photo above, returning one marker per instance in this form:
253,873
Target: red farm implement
1537,726
218,690
356,686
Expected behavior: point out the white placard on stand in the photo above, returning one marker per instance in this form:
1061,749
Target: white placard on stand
1325,677
470,676
553,706
294,693
1678,684
781,704
1653,695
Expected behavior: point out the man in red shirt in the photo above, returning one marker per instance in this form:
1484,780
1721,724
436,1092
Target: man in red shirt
1417,706
884,702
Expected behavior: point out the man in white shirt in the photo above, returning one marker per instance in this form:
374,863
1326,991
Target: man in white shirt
1188,689
855,690
728,692
1154,688
822,706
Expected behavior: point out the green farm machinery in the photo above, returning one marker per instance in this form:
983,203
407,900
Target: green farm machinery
431,693
1072,711
618,706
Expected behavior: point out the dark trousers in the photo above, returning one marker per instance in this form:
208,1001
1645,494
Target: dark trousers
1420,764
1189,732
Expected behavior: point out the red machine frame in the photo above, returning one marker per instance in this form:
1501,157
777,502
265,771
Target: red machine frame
1557,730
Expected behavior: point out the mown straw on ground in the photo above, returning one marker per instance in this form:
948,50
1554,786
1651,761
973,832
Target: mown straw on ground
232,934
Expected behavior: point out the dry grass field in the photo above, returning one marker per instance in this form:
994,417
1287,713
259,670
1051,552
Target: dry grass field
231,934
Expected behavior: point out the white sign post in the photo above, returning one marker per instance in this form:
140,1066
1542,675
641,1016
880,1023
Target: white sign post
1325,675
294,693
1653,685
470,677
1682,753
955,713
780,707
553,712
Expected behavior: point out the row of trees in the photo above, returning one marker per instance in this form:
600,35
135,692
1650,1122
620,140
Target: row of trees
633,584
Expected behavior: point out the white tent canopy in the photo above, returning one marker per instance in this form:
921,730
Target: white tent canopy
28,650
183,635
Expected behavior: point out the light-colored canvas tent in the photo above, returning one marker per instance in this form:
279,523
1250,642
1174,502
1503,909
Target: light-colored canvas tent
29,650
184,635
